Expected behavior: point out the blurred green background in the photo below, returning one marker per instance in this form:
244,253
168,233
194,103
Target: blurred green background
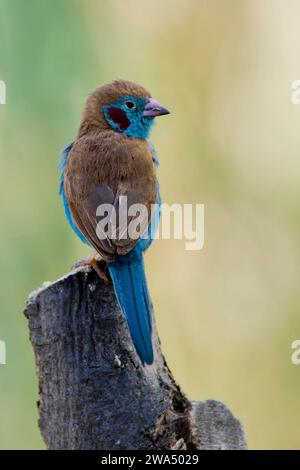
226,315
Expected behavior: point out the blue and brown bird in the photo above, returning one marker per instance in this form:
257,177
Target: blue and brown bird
112,158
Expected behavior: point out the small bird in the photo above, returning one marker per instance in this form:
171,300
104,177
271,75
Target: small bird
110,159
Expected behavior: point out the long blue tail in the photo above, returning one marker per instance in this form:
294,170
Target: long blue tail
130,284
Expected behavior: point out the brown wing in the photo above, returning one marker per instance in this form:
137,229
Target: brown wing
103,180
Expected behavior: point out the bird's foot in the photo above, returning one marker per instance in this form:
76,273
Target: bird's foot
99,265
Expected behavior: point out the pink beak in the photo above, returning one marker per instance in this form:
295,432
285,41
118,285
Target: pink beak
154,108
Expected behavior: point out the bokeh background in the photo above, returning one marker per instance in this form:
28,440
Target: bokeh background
227,315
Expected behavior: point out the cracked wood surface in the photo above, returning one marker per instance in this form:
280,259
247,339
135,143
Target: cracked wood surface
94,393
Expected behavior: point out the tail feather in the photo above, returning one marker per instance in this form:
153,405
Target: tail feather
130,284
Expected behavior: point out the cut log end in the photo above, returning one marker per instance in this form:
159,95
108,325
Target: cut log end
94,392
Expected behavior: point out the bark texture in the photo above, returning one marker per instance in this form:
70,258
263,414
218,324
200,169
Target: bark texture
94,393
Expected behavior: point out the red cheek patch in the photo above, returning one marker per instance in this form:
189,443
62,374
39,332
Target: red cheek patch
119,117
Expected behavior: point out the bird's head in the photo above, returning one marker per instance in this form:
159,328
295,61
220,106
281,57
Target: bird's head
123,106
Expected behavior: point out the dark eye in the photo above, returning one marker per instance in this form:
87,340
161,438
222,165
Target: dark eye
130,104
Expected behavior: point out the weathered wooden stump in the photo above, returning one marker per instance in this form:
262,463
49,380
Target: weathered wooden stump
94,391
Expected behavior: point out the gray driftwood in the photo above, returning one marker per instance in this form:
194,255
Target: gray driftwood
94,393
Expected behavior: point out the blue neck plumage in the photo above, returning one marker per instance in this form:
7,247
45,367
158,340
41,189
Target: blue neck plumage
140,130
